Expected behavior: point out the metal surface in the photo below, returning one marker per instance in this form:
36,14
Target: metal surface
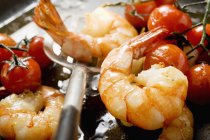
9,8
72,107
196,9
61,59
15,11
75,92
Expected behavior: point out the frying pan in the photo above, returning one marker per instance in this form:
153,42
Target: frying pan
96,122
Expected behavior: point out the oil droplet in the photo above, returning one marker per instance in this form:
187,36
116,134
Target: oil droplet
106,123
94,82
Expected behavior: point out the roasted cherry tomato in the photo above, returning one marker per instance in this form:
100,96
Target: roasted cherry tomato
169,55
19,78
194,35
170,17
143,9
8,41
199,84
4,53
36,50
162,2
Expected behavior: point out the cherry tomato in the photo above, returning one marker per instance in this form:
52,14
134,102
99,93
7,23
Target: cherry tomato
194,35
162,2
153,46
36,50
170,17
8,41
19,78
199,84
4,53
168,54
143,9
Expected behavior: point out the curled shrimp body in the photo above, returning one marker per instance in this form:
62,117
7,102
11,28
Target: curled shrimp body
104,31
180,128
30,116
150,100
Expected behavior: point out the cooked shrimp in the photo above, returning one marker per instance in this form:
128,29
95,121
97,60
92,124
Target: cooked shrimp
31,116
104,31
180,128
150,100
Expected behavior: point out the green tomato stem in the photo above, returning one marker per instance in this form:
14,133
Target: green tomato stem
6,47
204,23
13,54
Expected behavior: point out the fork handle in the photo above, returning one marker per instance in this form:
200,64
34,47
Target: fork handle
68,125
70,115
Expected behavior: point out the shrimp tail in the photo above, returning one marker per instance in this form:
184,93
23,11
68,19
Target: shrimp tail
145,42
46,17
76,46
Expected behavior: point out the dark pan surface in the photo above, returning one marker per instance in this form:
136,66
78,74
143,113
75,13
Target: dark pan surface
9,7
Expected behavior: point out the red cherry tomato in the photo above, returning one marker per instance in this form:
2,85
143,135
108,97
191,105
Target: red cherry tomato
168,54
199,84
170,17
19,78
36,50
8,41
144,9
4,53
194,35
162,2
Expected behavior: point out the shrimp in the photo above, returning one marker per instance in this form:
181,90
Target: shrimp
150,100
180,128
31,116
104,31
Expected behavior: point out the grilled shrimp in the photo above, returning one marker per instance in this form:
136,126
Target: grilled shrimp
103,31
150,100
30,116
179,129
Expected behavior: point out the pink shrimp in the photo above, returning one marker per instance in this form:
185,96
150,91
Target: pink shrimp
150,100
104,31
